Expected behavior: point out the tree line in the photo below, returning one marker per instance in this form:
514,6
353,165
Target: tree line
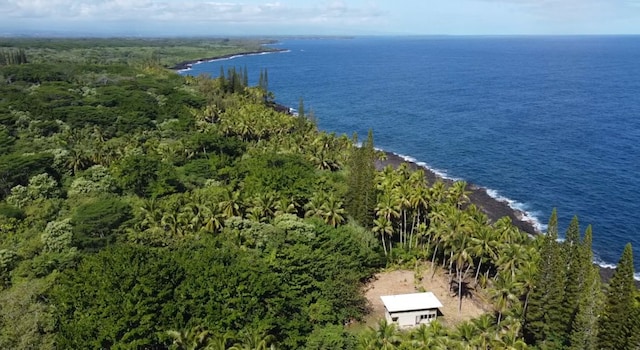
144,209
10,56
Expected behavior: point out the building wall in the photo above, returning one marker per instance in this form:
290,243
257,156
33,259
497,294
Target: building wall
411,318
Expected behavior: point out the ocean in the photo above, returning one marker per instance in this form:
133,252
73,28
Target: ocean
542,122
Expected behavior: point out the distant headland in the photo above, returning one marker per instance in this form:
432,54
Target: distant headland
188,64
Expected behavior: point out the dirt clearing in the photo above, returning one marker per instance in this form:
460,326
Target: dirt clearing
402,282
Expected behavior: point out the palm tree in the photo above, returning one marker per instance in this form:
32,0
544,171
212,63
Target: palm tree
421,337
456,225
421,232
383,226
255,340
504,293
285,206
387,179
213,218
314,206
418,200
174,222
437,192
526,276
478,217
463,262
231,204
387,336
190,339
265,206
458,194
505,231
510,257
402,196
387,207
78,159
428,336
485,331
332,211
483,245
323,153
437,232
465,332
196,215
509,340
151,212
367,340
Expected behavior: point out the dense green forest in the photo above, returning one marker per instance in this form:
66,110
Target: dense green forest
144,210
162,51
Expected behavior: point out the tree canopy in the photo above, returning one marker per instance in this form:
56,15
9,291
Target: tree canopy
143,209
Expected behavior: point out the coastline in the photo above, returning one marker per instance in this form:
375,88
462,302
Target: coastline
493,207
186,65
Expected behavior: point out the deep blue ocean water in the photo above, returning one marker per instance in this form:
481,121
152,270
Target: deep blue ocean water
541,121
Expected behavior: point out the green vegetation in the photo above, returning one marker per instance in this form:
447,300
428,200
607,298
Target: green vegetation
163,51
142,209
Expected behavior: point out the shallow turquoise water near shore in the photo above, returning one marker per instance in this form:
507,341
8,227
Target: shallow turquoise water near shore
542,121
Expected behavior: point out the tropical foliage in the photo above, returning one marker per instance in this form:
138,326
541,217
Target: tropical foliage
142,209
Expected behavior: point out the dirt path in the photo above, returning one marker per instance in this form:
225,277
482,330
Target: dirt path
402,282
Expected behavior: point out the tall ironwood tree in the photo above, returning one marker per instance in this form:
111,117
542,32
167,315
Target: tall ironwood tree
361,196
584,328
617,324
544,320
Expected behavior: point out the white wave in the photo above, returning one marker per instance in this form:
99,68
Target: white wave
601,263
521,209
598,261
441,173
606,265
242,55
190,66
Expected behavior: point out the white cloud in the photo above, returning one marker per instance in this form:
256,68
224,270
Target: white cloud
189,11
570,8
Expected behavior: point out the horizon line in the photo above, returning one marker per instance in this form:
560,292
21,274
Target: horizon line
267,36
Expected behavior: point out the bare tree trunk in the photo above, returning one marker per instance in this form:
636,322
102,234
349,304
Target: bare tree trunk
404,226
413,227
459,273
526,302
384,244
477,272
433,260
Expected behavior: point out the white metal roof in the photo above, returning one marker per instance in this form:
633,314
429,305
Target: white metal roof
409,302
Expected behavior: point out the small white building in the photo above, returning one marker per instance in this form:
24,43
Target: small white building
410,310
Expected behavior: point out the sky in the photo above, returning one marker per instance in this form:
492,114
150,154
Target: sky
310,17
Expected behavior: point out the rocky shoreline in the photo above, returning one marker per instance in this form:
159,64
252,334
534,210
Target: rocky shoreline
188,64
492,207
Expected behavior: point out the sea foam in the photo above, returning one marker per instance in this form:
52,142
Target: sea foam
190,66
521,209
439,172
598,261
499,123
